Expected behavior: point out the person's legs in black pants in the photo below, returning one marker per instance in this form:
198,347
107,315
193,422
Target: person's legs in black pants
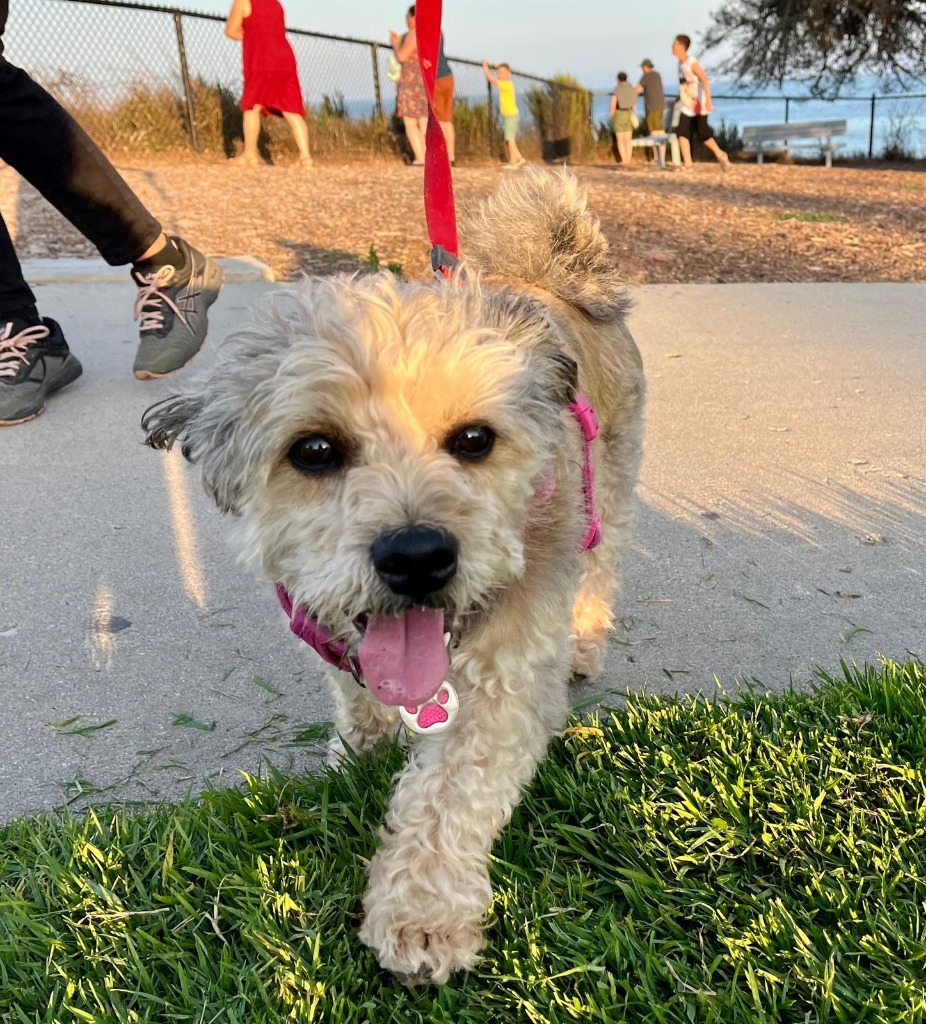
16,298
56,156
51,151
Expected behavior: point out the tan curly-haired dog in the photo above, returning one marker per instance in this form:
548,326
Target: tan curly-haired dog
403,462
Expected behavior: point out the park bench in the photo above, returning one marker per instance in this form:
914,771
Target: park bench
759,138
659,143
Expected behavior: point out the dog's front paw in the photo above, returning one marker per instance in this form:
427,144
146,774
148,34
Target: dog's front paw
591,621
588,656
419,953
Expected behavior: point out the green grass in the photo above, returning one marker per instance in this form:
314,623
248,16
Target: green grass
682,862
814,217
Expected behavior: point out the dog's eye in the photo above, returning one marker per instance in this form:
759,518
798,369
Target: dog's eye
471,443
315,454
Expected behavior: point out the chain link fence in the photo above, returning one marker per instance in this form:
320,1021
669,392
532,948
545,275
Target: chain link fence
150,79
885,127
157,79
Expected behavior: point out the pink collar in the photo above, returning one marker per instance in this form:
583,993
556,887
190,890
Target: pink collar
335,651
316,636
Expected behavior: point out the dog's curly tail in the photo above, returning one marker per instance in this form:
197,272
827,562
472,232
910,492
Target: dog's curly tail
536,227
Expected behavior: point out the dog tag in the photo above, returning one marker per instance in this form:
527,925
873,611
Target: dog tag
435,715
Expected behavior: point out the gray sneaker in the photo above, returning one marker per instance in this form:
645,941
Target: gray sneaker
35,362
171,306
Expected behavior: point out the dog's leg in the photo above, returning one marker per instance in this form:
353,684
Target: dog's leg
429,884
592,616
592,612
360,721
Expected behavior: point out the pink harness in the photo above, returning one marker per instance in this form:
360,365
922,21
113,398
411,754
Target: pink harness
588,422
335,651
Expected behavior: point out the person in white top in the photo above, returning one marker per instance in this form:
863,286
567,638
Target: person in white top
694,96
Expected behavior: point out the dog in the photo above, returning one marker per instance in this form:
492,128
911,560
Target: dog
404,461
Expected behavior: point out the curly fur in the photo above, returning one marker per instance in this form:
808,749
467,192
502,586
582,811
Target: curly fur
391,370
537,226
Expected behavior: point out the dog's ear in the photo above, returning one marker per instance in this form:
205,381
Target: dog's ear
522,313
204,431
168,420
566,377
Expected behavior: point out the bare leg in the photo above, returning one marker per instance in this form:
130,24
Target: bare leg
514,154
450,137
685,146
722,157
300,132
625,146
251,119
158,245
415,138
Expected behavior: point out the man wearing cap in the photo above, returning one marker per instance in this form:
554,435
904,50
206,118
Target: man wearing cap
654,97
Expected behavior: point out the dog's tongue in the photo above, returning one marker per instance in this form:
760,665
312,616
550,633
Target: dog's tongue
403,658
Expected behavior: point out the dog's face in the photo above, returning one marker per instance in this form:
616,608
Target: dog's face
381,445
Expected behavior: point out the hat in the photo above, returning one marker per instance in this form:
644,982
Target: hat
646,63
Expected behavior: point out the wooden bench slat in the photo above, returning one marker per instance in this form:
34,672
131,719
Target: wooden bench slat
757,137
794,129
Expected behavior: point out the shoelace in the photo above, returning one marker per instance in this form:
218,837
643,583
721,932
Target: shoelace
150,301
14,348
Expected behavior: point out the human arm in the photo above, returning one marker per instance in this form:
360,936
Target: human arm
613,109
404,50
706,106
234,24
489,76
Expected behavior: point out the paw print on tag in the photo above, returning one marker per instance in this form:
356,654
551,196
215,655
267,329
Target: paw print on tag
435,715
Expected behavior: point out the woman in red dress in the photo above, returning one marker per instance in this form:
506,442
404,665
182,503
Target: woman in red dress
271,81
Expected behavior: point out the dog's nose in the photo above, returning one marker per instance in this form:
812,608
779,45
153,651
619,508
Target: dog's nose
416,561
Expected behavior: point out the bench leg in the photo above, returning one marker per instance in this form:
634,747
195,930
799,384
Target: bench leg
828,156
760,157
660,156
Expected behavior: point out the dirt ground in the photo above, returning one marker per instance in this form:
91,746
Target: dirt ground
771,223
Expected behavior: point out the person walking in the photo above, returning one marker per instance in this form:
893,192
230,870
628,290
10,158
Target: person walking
695,104
271,78
623,100
654,98
176,283
411,95
508,108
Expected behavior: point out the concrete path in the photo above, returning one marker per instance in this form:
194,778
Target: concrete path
781,526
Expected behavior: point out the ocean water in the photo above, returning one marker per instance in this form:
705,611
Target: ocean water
893,119
898,118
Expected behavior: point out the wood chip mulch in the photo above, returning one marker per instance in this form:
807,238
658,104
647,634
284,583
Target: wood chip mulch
771,223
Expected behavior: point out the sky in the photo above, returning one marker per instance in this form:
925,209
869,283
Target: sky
591,39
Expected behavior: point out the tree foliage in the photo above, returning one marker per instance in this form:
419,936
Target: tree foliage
825,43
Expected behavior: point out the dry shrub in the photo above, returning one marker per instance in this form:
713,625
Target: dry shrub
149,119
562,113
144,118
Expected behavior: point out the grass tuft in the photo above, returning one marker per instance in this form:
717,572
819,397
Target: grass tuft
744,861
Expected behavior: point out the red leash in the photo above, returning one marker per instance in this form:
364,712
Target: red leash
438,183
441,215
